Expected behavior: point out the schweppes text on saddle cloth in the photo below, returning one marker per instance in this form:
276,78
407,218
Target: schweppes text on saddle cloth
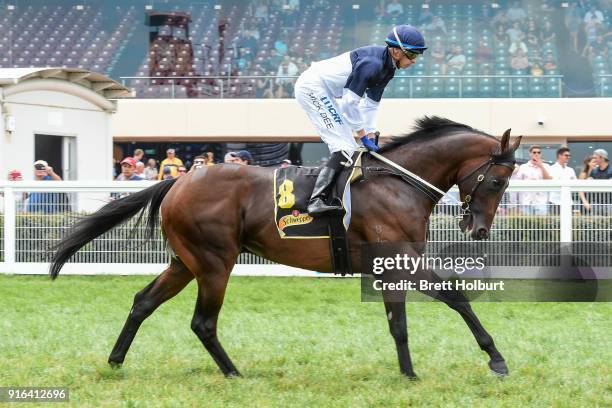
295,218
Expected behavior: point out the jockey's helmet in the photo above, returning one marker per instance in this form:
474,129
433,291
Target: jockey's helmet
406,37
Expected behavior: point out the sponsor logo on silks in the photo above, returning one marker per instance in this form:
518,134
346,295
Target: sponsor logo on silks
295,218
331,110
326,119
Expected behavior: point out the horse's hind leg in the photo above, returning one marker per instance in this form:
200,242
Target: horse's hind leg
458,302
211,291
164,287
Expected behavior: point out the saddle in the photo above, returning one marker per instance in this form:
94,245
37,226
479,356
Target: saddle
293,187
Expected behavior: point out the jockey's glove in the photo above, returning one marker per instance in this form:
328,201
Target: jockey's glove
369,144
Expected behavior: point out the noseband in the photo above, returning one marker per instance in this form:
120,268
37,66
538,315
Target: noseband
465,204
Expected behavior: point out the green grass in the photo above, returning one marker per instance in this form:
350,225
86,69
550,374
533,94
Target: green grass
298,342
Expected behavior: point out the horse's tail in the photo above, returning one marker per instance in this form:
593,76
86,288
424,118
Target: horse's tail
112,214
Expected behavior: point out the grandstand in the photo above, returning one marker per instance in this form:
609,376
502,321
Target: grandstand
222,49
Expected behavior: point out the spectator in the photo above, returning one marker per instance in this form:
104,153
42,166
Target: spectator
182,170
500,20
484,53
561,171
128,170
593,16
516,13
588,164
455,61
172,162
285,85
515,46
281,47
597,48
547,34
198,162
166,173
534,203
515,33
274,61
549,62
500,34
532,36
519,60
425,17
285,163
261,12
299,63
150,172
536,69
603,171
395,9
308,57
210,158
139,170
42,201
438,53
573,21
437,27
139,155
240,157
264,88
601,202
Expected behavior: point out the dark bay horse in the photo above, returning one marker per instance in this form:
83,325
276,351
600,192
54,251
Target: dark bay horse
210,215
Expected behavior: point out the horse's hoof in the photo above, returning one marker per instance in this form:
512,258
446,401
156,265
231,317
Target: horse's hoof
411,376
499,368
115,364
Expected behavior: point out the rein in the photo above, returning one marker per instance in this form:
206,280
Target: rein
433,192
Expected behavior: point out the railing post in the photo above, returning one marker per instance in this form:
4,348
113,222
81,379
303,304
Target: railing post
565,215
221,88
10,229
560,85
461,87
410,86
510,86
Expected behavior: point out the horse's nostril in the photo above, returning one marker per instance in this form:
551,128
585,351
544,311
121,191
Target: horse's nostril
483,232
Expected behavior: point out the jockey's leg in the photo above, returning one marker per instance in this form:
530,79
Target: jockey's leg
327,119
324,182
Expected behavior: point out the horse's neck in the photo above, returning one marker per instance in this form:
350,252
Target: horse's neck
439,161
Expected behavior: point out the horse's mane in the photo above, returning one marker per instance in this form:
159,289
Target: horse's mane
427,128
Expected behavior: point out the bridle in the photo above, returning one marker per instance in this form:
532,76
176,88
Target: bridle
465,204
433,192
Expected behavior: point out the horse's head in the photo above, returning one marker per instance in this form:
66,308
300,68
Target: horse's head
482,186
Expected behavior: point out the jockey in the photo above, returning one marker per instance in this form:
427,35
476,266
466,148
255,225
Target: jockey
359,78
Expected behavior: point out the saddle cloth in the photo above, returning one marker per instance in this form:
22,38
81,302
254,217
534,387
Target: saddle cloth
293,186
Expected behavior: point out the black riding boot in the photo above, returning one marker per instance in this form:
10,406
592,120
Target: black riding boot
325,181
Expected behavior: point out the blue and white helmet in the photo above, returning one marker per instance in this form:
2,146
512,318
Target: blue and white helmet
406,37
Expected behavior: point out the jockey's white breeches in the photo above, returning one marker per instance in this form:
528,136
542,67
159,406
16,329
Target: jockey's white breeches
322,109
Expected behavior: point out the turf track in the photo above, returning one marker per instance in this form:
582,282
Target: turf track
298,342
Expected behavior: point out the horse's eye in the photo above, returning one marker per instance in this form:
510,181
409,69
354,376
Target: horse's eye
497,183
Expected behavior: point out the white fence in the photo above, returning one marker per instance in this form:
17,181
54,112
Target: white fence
35,215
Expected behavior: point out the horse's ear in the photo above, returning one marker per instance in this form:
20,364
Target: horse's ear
505,139
516,143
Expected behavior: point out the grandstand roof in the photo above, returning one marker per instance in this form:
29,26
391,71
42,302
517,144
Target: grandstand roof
93,81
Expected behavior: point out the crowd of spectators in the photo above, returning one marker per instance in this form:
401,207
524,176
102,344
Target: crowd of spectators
596,166
587,28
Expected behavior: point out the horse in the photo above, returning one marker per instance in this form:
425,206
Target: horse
211,215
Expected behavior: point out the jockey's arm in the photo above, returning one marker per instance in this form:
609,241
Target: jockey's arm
361,114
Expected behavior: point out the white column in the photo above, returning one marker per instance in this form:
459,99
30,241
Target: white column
10,236
565,214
